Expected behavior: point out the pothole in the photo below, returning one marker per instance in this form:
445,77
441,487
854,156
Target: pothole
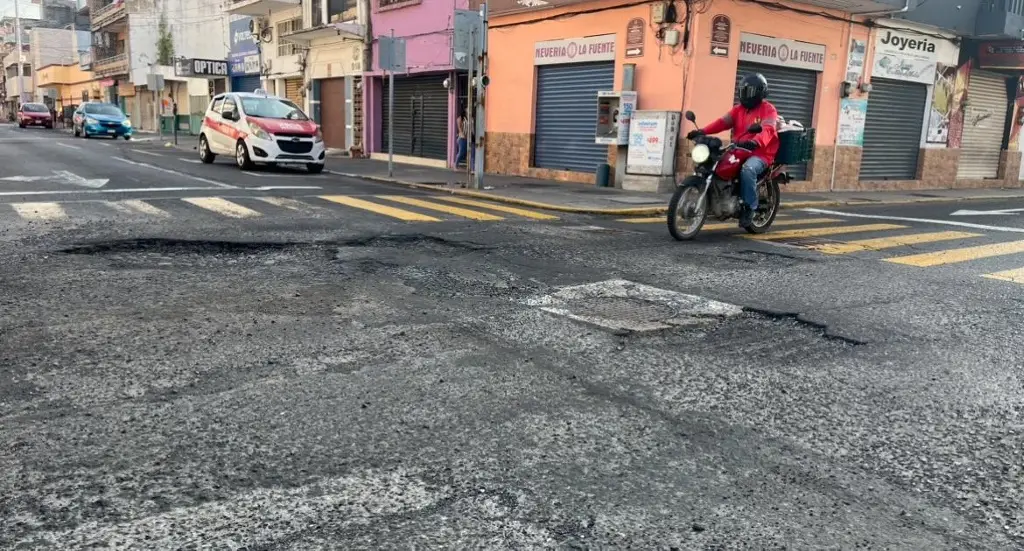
180,247
413,239
627,306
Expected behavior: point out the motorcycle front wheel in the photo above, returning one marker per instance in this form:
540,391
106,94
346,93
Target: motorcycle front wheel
685,216
768,199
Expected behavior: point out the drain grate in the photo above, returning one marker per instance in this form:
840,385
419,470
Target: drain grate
623,309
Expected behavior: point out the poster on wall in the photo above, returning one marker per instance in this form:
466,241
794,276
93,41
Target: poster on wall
942,104
904,55
956,108
852,114
855,64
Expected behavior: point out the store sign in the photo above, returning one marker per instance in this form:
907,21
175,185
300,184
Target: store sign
245,51
782,52
209,68
575,50
1001,54
905,55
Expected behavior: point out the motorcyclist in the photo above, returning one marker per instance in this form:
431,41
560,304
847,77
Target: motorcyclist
753,108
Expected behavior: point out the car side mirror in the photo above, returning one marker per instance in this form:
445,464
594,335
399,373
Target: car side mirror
755,128
228,115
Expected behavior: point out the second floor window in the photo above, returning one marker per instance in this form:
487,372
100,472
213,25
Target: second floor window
283,28
341,10
318,13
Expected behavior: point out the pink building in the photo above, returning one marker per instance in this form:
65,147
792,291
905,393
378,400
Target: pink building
425,110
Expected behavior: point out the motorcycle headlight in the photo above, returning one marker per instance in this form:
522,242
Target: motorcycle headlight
700,153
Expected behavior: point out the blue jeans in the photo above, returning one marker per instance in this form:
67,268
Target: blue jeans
461,155
752,168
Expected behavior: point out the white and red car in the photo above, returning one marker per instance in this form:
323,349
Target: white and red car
257,128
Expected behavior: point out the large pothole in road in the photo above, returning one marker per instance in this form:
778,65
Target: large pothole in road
626,306
180,247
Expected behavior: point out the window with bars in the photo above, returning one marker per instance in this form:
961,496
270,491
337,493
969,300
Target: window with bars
286,27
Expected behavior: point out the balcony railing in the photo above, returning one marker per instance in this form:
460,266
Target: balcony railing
110,66
15,86
106,14
1000,19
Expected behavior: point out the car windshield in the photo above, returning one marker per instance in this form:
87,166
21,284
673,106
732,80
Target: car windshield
34,108
102,110
271,108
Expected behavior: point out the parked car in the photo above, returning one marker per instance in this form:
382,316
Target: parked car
34,114
257,128
101,119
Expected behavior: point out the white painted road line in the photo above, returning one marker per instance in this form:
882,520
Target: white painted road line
91,191
148,153
921,220
164,170
68,146
193,161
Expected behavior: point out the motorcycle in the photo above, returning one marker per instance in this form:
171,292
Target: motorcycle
715,187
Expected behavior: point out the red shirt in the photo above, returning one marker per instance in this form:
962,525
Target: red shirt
739,119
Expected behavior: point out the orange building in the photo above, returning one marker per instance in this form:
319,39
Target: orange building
547,64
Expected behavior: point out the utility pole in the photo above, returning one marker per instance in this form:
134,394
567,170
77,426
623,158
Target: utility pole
21,68
479,118
391,109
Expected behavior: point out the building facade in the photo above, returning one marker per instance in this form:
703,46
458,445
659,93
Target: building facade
425,110
881,93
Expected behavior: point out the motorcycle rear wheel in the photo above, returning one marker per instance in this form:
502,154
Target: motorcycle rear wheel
685,218
769,201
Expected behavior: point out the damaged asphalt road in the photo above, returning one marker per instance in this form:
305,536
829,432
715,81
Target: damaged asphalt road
327,385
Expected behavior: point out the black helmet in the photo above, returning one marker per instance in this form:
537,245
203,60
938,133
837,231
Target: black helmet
753,90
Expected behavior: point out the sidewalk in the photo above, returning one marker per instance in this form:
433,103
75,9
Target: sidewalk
589,199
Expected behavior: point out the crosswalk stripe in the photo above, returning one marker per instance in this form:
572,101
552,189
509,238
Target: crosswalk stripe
222,206
393,212
952,256
465,213
1013,276
647,220
39,211
821,232
286,203
136,206
890,242
726,225
501,208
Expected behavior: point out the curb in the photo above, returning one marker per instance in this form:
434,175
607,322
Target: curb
657,211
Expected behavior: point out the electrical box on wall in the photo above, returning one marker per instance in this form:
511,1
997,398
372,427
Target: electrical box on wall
658,13
650,161
614,110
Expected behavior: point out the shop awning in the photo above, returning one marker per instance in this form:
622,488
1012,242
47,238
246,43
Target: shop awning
347,31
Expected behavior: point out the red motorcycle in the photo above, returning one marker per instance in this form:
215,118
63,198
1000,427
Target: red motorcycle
714,188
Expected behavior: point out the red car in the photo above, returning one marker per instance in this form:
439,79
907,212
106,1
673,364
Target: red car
34,114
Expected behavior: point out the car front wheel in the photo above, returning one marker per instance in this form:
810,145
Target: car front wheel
242,156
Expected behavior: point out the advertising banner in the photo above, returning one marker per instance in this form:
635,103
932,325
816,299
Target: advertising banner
244,57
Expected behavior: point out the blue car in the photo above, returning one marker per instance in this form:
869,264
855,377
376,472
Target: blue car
101,119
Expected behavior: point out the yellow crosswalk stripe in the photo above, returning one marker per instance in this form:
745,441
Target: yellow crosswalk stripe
822,232
286,203
222,206
661,220
465,213
40,211
890,242
500,208
136,206
965,254
400,214
1013,276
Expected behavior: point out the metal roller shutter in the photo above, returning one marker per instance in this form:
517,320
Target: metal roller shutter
892,130
984,120
293,90
791,91
248,83
421,117
565,120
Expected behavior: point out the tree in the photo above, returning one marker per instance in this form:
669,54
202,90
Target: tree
164,43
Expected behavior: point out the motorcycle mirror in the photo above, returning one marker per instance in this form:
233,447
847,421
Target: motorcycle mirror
690,116
755,128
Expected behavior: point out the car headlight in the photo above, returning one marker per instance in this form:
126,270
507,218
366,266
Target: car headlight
90,120
318,137
700,153
127,122
259,132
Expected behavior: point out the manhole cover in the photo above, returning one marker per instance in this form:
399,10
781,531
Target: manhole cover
622,305
623,309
